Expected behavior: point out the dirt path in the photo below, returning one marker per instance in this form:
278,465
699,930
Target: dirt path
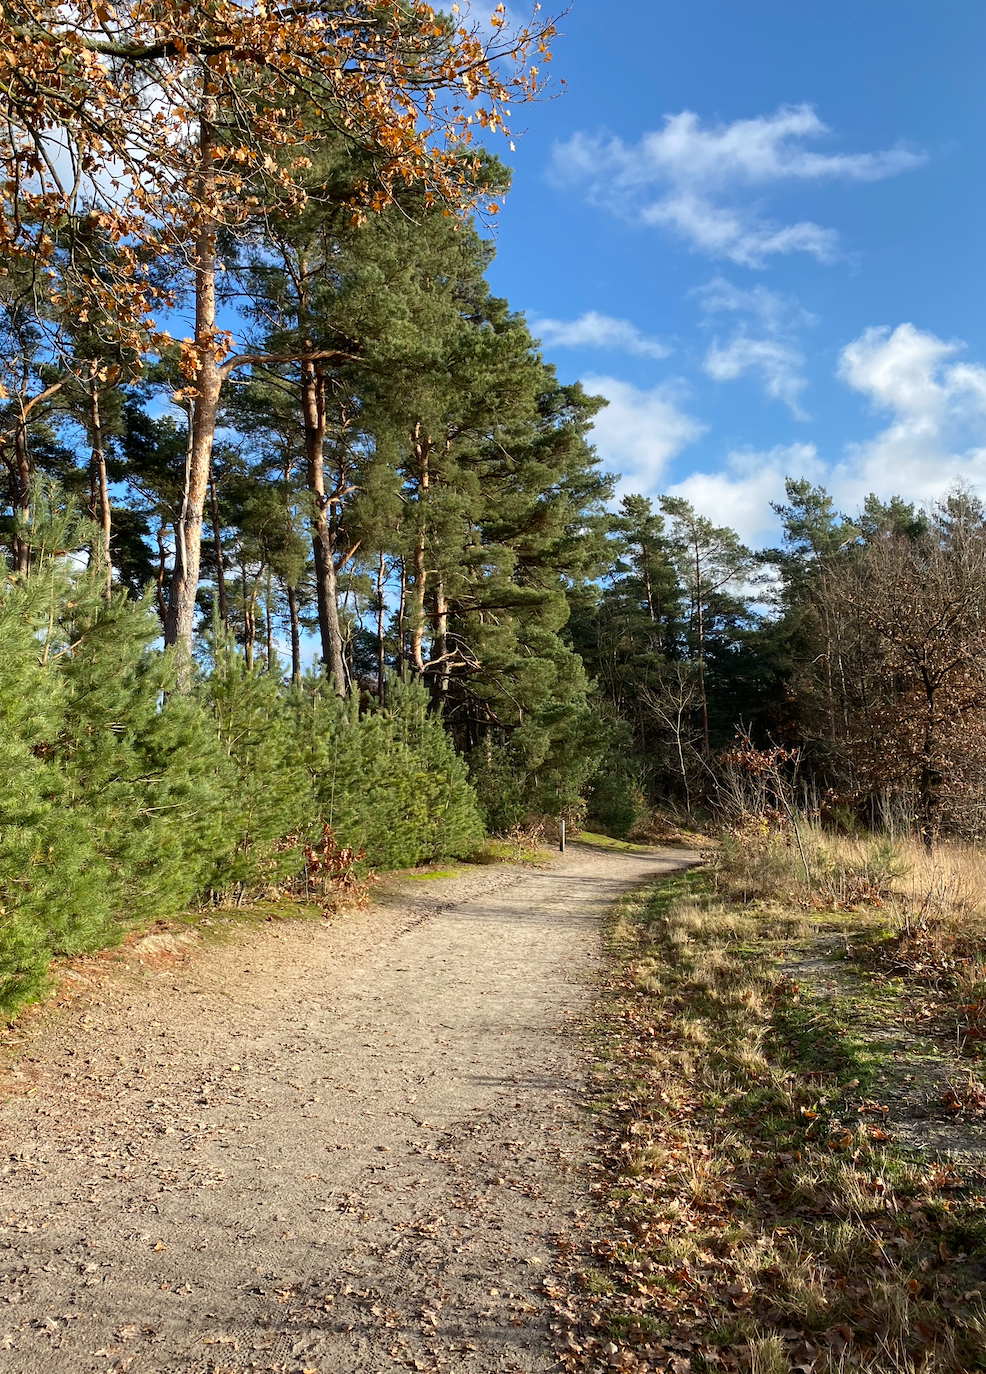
333,1150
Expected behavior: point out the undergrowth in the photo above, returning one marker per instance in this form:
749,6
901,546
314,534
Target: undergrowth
521,844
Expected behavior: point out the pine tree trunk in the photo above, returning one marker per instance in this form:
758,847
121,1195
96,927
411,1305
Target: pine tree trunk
295,635
326,591
21,499
439,647
422,449
103,510
381,588
205,408
648,589
162,563
268,623
249,617
401,657
219,560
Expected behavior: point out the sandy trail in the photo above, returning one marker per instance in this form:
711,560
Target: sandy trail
319,1149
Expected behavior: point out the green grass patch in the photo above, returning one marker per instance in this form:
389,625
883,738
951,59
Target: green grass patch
812,1041
507,851
595,841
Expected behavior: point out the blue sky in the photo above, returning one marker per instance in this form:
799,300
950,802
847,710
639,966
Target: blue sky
758,229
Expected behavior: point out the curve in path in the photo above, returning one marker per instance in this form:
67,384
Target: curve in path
335,1149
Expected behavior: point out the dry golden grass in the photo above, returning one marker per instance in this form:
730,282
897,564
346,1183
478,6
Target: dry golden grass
943,889
946,886
768,1355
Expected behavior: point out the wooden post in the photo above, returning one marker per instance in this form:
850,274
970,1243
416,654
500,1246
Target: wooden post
561,833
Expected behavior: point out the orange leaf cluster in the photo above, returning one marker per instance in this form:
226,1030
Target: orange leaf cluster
107,106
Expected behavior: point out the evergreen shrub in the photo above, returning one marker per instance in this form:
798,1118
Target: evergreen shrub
122,800
615,795
542,769
389,781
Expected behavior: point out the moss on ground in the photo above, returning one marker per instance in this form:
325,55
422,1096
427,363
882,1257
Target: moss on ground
595,841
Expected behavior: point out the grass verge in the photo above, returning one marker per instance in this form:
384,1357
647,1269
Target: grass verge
522,848
595,841
756,1214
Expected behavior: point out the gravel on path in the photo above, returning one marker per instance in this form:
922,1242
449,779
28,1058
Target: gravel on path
323,1149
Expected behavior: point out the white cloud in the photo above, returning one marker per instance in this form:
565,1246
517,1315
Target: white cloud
639,432
738,233
937,431
775,355
593,330
686,177
772,310
778,363
740,496
934,435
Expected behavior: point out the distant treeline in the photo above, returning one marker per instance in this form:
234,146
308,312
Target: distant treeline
858,646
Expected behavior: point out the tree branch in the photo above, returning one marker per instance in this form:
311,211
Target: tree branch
265,359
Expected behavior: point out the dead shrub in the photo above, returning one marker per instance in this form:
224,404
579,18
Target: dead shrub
332,874
661,827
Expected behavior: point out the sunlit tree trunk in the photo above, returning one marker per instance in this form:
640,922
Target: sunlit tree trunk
439,645
421,448
220,561
21,499
102,511
205,408
326,588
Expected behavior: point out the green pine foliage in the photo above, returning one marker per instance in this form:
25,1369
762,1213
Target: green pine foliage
267,800
52,885
388,781
616,798
123,800
140,763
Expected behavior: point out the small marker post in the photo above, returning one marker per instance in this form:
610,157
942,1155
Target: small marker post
561,833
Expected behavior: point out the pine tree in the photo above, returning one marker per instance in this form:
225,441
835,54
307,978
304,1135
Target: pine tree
712,564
